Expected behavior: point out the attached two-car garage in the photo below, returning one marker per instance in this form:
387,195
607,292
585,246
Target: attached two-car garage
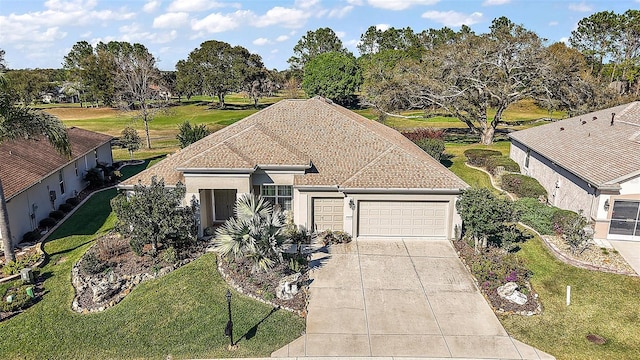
424,219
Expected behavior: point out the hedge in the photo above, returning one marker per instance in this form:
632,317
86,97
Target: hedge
478,157
492,163
523,186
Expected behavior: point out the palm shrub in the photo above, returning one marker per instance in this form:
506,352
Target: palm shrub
256,233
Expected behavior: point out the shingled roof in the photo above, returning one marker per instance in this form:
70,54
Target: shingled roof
591,146
25,162
337,147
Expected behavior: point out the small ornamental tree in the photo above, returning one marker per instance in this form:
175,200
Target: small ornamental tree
484,215
154,215
189,134
131,140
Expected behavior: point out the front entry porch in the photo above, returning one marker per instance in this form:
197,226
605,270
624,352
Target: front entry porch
216,206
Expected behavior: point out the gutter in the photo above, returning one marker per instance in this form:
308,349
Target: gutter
400,190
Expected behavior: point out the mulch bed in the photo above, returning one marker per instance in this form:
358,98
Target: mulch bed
262,285
38,291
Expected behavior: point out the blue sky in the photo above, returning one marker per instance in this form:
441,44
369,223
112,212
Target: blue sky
38,34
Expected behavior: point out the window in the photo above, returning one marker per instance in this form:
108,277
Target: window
61,178
624,218
95,154
75,166
278,195
526,161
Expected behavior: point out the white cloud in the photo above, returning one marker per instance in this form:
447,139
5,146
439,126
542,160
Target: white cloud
581,7
282,38
553,23
151,6
564,39
261,41
400,4
275,51
453,18
340,12
70,6
352,43
495,2
171,20
193,5
383,27
340,34
134,33
287,17
217,22
306,4
360,2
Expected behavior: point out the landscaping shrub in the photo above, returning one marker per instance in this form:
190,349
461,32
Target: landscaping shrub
95,177
65,208
47,222
563,219
92,264
418,134
31,236
20,299
537,215
73,201
523,186
111,246
493,162
478,157
433,147
329,237
57,214
14,267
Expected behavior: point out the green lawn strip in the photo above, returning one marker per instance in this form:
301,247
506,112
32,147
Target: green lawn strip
471,176
182,313
602,303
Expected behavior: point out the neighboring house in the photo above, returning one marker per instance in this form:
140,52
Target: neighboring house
589,163
36,179
328,167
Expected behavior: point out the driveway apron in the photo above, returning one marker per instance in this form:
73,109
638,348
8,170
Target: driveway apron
400,298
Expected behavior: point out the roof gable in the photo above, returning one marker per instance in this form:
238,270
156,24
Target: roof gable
344,149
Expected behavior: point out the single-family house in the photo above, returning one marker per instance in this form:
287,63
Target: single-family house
36,179
589,163
329,167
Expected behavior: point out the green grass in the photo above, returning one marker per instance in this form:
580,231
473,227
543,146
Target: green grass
473,177
182,314
601,303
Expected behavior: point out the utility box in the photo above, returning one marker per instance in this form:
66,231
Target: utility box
26,275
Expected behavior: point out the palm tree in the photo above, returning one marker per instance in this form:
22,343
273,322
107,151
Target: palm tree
255,233
21,122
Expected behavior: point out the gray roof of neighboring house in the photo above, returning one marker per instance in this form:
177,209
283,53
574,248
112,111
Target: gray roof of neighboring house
337,147
589,146
25,162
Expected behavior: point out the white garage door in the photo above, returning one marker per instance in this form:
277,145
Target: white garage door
407,218
328,214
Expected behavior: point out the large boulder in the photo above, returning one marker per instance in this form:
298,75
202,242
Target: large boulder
509,292
288,287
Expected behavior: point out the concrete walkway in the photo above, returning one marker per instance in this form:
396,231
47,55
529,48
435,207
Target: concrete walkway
400,298
630,251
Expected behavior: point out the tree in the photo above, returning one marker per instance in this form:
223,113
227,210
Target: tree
130,140
137,82
375,40
483,214
188,134
153,215
595,38
20,122
334,75
256,233
26,84
470,76
93,69
314,43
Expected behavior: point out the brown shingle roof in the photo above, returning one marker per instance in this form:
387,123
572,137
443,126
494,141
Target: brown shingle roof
589,146
25,162
346,150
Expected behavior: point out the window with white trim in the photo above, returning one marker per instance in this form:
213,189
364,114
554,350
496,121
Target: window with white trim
75,167
61,178
278,195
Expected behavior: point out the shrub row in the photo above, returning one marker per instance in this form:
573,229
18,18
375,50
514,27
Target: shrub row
547,220
478,157
493,163
418,134
523,186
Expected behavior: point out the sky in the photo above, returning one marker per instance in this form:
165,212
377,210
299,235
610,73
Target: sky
38,34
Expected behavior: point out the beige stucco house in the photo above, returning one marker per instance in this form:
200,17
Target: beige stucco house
589,163
37,179
329,167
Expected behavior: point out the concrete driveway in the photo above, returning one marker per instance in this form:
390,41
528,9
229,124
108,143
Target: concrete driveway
400,298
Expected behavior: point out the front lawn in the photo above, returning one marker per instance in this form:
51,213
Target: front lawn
473,177
601,303
182,314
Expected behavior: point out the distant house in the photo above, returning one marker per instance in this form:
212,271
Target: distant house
36,179
589,163
330,168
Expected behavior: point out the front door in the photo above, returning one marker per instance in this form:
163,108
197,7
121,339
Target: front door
224,200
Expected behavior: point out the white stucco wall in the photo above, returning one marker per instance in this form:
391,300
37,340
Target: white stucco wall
35,200
564,189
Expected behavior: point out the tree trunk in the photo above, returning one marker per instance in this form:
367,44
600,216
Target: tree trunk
486,137
221,99
146,131
5,231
